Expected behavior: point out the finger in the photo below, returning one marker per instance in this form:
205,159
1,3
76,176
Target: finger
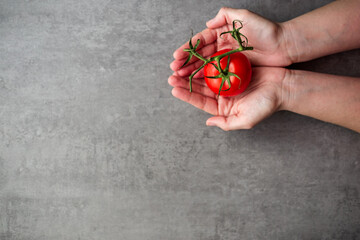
199,74
206,37
174,78
189,69
198,86
206,52
198,100
232,122
226,16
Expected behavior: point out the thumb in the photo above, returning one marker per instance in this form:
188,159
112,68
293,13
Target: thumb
232,122
226,16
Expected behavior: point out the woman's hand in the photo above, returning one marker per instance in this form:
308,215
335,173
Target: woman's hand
265,36
262,98
325,97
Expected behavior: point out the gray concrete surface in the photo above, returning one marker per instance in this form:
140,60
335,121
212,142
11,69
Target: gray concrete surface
93,145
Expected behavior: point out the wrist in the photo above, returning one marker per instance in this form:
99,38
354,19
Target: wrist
288,43
287,93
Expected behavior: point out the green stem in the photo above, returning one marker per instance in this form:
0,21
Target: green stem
199,56
240,49
216,58
193,74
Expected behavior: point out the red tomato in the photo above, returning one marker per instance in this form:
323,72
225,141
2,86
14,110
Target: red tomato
239,65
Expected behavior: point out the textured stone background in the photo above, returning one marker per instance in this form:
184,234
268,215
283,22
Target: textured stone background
93,145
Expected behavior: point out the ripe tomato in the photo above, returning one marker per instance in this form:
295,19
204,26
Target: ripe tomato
239,65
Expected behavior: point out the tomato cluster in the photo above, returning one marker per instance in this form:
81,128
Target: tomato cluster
228,71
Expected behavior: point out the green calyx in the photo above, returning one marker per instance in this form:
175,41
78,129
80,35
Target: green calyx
224,74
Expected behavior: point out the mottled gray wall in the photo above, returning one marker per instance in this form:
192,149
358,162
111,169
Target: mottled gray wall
93,145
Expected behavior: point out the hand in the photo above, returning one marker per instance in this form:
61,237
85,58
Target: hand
265,36
262,98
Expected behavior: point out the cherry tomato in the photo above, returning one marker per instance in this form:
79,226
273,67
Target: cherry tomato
239,65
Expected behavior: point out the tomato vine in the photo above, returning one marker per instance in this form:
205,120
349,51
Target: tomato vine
224,74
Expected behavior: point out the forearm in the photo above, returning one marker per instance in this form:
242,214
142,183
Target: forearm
329,98
326,30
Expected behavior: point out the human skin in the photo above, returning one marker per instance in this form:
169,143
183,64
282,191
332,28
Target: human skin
330,29
327,30
330,98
